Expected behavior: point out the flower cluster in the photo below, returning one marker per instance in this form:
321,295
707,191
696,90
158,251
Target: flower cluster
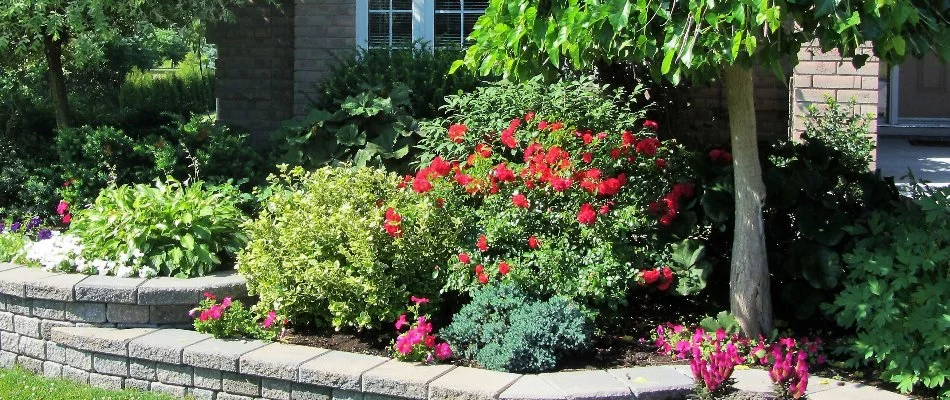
63,210
229,318
668,207
418,343
503,267
661,277
713,357
393,223
789,372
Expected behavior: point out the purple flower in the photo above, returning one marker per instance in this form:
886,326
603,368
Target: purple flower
15,226
33,224
2,225
45,234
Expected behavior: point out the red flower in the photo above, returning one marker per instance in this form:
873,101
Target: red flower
587,157
717,155
615,153
462,179
533,242
628,139
503,268
561,184
508,138
482,243
67,218
651,276
439,166
209,296
529,116
609,187
667,279
393,223
602,136
457,133
648,146
654,208
479,269
681,190
651,125
503,173
483,279
519,200
587,215
556,126
464,258
483,150
604,209
587,138
542,125
667,219
439,202
421,182
660,163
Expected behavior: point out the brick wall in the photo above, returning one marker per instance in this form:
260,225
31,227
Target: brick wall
255,85
325,32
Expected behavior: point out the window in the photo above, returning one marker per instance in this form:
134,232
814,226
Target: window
381,23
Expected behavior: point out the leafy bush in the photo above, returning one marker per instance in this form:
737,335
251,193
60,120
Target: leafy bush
897,293
588,212
372,128
420,67
319,254
167,229
843,130
230,319
27,183
505,329
12,245
145,97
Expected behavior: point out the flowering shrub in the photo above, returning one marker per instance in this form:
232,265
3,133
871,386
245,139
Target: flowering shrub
896,293
712,359
418,343
229,318
505,329
565,210
343,247
168,229
789,371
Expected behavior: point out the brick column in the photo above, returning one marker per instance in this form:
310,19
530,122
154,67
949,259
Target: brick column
325,32
821,74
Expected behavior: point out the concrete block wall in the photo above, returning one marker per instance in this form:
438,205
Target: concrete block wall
254,72
325,32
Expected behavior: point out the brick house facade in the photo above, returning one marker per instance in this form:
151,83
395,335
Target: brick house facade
270,58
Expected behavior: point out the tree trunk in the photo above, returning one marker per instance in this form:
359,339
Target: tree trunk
749,283
57,81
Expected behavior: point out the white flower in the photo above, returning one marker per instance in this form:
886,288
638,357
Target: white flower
124,272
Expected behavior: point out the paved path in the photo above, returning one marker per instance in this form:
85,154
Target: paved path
895,155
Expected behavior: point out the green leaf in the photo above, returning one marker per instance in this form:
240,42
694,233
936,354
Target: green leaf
667,61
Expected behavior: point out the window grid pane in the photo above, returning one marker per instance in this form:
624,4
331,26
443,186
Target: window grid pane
454,20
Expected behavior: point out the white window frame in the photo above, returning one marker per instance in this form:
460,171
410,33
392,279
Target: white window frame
423,21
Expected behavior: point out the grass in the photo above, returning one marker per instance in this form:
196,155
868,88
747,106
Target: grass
17,383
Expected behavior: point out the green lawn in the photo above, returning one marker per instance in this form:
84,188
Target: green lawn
19,384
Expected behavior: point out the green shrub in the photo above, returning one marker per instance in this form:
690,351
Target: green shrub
897,293
505,329
842,129
167,229
319,255
12,245
372,128
145,97
384,69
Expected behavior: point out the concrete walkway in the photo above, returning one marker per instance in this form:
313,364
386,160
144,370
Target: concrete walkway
895,155
757,380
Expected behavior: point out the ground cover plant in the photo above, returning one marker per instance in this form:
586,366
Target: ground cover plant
17,383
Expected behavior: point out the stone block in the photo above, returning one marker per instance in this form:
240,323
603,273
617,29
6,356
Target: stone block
31,347
588,384
531,387
309,392
6,321
49,309
273,389
106,381
241,384
100,340
170,314
56,287
55,352
174,374
395,378
31,364
126,313
5,266
108,289
7,359
160,291
86,312
654,383
278,360
219,354
77,358
142,369
76,374
165,345
27,326
112,365
171,390
465,383
339,394
207,378
47,325
137,384
19,305
52,369
201,394
230,396
338,369
10,341
13,281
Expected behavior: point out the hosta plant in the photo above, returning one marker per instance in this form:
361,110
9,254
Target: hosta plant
167,229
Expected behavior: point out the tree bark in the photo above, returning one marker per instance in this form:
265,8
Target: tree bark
749,283
57,81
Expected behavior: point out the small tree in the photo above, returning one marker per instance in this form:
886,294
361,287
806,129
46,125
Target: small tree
48,28
702,40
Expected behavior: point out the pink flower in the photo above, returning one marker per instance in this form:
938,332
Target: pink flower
404,344
401,322
67,218
418,300
226,302
215,311
62,207
209,295
503,173
561,184
204,316
443,351
269,319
